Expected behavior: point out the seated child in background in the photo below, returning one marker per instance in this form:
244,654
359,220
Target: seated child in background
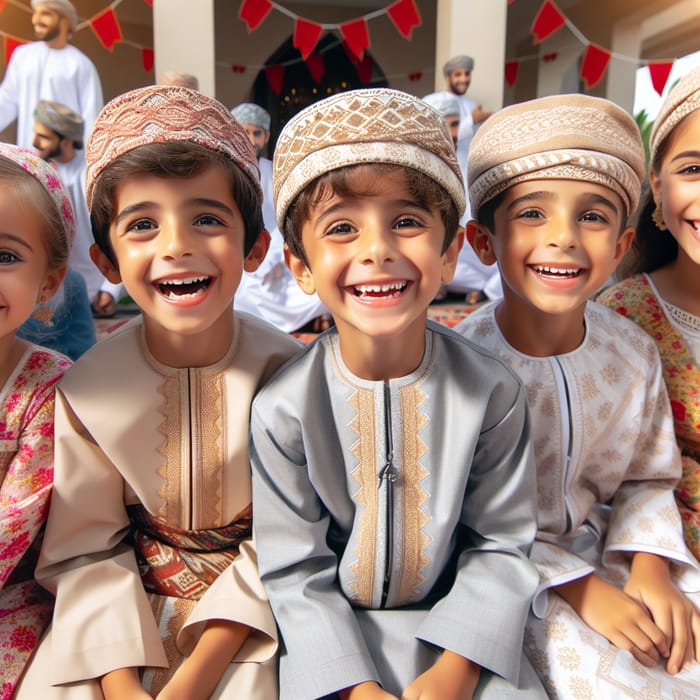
662,295
393,483
35,237
148,541
552,183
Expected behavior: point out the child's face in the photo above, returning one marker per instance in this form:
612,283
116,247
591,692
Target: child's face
375,258
556,242
676,187
24,267
179,246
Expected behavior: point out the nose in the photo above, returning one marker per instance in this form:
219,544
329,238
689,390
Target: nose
377,245
176,240
561,233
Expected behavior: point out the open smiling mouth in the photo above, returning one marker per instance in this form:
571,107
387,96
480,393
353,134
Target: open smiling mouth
188,286
380,291
558,272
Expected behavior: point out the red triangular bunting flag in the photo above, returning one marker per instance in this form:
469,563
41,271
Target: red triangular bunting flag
659,75
2,5
405,16
253,12
512,68
549,18
149,2
364,70
275,77
595,61
316,66
147,58
10,45
306,36
106,26
356,35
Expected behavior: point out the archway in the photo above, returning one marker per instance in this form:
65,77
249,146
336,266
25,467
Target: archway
338,70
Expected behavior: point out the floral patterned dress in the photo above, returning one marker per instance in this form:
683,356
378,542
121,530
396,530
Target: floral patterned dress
26,476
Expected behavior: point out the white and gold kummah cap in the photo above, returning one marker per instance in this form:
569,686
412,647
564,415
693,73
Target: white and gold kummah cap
571,137
364,127
683,99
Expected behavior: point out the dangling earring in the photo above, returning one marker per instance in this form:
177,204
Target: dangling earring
657,216
43,313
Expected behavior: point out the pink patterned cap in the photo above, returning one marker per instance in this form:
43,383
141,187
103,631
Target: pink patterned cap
47,175
162,113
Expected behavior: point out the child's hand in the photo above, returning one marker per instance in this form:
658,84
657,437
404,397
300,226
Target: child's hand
123,684
650,584
617,616
369,690
451,677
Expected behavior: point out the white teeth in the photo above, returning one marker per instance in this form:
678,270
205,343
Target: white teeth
560,272
187,280
379,288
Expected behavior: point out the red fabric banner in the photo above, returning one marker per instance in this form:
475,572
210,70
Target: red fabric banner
548,20
306,36
106,27
2,5
405,16
594,63
149,2
275,77
659,75
10,45
316,66
356,36
147,58
253,12
512,68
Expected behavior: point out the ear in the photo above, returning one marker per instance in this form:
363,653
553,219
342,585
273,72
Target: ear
655,182
301,273
449,257
104,264
52,282
624,242
479,238
257,252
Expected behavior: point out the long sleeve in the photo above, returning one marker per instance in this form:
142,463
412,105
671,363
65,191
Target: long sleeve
9,94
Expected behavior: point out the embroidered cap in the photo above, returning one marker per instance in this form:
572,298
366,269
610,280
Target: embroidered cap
63,7
571,137
445,102
162,113
683,99
250,113
47,176
364,127
61,119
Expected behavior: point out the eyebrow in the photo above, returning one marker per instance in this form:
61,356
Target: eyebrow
686,154
543,195
4,236
197,201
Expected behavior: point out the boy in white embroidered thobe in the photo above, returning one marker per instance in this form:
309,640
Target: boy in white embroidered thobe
552,183
393,474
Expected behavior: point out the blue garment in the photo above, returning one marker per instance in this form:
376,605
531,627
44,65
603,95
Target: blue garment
73,330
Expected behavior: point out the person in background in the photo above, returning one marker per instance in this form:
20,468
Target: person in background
49,69
271,292
179,79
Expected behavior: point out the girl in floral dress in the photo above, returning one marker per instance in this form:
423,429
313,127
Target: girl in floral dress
662,294
36,230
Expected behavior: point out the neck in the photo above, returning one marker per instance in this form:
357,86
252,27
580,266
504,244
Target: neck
60,42
679,283
537,333
11,350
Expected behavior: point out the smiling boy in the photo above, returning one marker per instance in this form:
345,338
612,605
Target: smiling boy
552,183
148,545
393,481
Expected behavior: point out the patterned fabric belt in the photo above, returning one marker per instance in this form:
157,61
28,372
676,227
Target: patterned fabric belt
183,563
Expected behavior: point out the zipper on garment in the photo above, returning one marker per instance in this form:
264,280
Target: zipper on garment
388,475
566,434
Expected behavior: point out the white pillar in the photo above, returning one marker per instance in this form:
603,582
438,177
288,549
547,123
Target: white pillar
476,28
621,77
183,40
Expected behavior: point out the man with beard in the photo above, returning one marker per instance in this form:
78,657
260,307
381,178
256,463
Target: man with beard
51,69
271,293
58,137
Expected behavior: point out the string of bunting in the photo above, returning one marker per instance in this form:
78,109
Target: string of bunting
550,19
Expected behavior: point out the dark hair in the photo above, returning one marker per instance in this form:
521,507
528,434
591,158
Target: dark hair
171,159
26,187
487,211
426,192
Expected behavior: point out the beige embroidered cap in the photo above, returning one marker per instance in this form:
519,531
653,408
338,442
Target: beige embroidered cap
572,137
161,113
364,126
683,99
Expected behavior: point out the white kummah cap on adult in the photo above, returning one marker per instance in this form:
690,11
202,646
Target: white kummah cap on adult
445,102
466,62
61,119
683,99
63,7
365,126
250,113
569,137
